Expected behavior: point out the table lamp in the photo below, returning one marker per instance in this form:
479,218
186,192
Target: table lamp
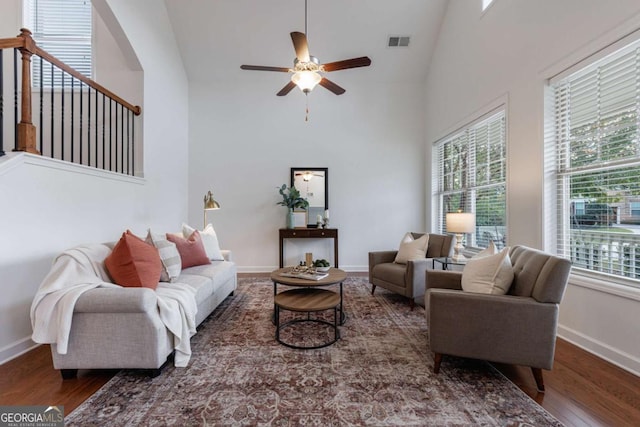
210,204
460,223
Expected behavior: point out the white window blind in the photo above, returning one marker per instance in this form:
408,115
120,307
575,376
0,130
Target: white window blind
597,156
62,28
469,175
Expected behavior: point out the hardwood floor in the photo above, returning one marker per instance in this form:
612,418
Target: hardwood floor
581,390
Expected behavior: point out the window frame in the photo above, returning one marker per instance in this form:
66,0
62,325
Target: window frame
28,12
611,265
441,185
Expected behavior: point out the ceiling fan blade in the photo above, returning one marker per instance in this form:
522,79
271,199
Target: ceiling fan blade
285,90
301,46
363,61
264,68
328,84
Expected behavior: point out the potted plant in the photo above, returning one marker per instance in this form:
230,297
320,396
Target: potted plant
292,200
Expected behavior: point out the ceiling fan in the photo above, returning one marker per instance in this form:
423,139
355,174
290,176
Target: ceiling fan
306,68
308,175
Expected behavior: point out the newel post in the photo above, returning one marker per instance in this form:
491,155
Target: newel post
26,129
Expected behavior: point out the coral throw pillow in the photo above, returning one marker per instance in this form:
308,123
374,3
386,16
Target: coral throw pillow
134,263
191,250
209,241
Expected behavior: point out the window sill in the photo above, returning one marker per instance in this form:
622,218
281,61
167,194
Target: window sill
606,285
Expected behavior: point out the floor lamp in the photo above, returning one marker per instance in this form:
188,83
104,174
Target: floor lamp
460,223
210,204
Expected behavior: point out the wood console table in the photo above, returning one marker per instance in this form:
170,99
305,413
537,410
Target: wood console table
309,233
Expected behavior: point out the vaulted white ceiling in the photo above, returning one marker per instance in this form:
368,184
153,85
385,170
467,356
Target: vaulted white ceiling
216,36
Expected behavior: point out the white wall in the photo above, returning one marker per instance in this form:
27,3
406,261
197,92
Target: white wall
244,140
47,207
508,53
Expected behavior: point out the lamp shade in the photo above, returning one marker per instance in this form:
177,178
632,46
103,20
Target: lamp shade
210,203
306,80
461,222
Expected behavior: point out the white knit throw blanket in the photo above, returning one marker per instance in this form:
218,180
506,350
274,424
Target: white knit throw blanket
80,269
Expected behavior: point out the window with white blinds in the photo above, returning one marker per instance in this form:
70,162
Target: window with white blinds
62,28
596,153
469,174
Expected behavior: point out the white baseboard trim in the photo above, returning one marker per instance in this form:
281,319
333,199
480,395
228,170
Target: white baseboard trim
270,268
16,349
626,361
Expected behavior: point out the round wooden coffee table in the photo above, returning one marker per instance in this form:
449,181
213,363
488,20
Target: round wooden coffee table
307,300
307,297
335,277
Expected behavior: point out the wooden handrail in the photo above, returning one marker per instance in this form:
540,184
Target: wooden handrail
28,47
55,61
11,42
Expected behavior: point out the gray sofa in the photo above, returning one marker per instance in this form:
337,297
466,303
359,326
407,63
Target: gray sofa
120,328
518,328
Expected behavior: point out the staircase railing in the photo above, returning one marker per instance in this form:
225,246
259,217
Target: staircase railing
77,119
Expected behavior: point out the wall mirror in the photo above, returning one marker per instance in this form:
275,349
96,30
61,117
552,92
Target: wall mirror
313,184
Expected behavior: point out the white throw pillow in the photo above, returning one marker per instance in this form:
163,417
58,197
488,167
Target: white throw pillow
489,250
209,240
491,274
411,248
169,255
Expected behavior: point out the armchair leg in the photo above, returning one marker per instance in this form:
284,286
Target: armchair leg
437,359
68,374
373,289
537,374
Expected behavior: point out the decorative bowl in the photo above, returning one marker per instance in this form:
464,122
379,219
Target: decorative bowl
322,269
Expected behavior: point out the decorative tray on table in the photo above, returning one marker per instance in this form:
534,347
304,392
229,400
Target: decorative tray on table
303,272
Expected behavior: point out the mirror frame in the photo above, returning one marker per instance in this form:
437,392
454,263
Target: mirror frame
326,181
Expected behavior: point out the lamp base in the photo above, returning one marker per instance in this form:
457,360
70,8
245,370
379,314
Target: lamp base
458,256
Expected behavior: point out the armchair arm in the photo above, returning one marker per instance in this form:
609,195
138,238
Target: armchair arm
117,300
443,279
498,328
416,273
380,257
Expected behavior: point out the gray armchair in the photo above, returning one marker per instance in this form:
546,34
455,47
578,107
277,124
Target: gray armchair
517,328
407,279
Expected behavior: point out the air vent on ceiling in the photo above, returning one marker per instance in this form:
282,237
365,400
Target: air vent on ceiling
398,41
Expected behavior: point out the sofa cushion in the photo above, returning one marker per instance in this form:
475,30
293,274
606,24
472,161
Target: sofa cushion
491,274
134,263
191,250
221,271
411,248
209,241
169,255
206,279
390,272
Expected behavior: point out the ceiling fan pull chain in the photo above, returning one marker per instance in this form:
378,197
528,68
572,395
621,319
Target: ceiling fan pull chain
306,117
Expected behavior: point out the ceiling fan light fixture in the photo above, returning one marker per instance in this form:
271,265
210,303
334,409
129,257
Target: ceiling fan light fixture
306,80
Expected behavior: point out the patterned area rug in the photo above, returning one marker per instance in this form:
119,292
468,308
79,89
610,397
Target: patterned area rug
379,373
